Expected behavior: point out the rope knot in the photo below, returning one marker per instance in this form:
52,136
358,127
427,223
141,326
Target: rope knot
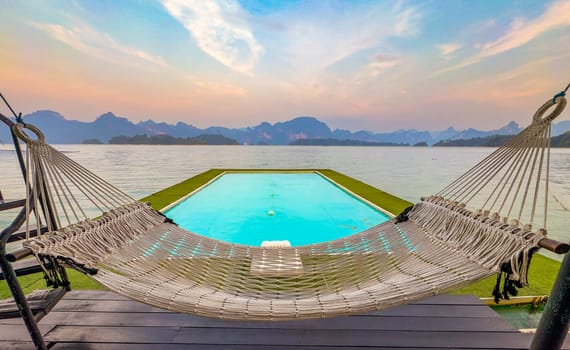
561,93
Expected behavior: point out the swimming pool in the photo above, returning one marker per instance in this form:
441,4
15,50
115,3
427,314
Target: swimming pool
249,208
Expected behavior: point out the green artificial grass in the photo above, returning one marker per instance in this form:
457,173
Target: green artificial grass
541,276
387,201
173,193
35,281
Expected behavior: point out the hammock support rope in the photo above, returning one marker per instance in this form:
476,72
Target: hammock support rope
483,223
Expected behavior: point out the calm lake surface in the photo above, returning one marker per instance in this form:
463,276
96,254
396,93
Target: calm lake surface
408,172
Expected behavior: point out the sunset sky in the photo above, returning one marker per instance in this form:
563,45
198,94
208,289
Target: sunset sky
375,65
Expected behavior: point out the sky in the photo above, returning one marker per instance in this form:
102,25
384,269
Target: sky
373,65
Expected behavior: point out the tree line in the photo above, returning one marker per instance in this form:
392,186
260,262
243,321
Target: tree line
204,139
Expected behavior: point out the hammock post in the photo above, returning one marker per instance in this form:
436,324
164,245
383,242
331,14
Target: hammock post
5,266
555,320
22,302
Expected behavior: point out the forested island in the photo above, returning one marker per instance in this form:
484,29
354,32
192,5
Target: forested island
217,139
499,140
92,142
336,142
204,139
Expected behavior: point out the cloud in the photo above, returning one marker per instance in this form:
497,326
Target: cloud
520,33
529,70
406,21
329,32
381,62
447,50
220,29
519,87
91,42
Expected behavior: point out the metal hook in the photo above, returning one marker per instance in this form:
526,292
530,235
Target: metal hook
561,93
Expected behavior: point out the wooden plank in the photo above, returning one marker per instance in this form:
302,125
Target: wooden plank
414,310
455,340
25,267
15,333
418,310
149,335
21,235
94,295
24,263
39,301
289,338
17,345
124,346
88,305
98,320
456,324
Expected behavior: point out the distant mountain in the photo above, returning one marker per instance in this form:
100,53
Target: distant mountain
561,140
60,130
487,141
413,136
511,128
446,134
180,129
560,128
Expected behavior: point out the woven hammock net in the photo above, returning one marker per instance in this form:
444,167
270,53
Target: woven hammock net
487,221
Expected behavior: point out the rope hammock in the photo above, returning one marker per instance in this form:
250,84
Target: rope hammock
480,224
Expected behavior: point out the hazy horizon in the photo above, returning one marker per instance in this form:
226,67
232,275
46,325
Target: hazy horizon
174,122
356,65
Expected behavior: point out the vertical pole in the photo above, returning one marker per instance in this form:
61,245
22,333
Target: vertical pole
19,154
22,303
555,320
6,267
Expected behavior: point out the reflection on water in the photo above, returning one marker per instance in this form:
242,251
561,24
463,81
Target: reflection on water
408,172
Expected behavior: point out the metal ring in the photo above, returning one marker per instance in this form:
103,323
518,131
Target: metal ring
559,102
18,129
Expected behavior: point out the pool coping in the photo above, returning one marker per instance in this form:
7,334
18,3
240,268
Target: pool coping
308,171
366,201
376,198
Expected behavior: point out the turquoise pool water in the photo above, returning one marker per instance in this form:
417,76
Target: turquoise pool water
249,208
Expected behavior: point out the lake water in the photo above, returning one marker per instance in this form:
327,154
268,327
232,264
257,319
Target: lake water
408,172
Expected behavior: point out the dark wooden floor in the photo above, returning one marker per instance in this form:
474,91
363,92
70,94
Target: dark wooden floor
104,320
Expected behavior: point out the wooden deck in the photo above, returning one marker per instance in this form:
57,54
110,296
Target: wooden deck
104,320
